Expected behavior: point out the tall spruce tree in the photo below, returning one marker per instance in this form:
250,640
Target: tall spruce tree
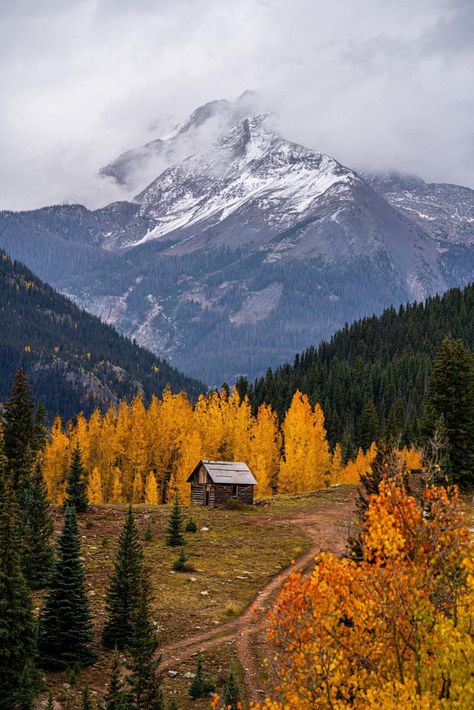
18,677
174,533
37,553
19,431
86,699
451,395
116,698
76,483
123,590
231,695
144,681
65,629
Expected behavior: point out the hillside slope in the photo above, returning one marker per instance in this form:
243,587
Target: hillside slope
382,360
73,360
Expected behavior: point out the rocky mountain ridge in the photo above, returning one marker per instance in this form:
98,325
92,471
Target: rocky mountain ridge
247,247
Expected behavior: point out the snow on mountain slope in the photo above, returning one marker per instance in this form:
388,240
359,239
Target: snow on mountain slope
445,211
248,164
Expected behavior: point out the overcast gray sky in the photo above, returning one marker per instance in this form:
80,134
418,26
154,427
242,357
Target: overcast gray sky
378,84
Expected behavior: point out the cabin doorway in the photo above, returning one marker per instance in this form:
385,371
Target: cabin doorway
206,497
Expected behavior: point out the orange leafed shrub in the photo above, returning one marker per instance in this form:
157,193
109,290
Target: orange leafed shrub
397,628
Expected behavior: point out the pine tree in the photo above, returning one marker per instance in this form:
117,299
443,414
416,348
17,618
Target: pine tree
18,678
144,679
39,428
200,686
86,699
65,628
116,698
196,688
19,431
174,536
451,394
368,425
123,589
38,554
50,705
231,695
76,485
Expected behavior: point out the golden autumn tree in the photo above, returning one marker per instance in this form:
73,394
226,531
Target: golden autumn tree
395,628
306,463
95,493
151,489
337,465
190,453
265,450
56,461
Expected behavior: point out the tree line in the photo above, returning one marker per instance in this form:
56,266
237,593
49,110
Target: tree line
372,377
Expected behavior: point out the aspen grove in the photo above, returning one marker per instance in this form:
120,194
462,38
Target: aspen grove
134,453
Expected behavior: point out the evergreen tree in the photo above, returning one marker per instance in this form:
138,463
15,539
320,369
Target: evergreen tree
174,534
144,679
19,430
116,698
38,555
86,699
18,678
39,430
50,705
65,629
231,695
451,394
76,484
123,590
369,425
200,686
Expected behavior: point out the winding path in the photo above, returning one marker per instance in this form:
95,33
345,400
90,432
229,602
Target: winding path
327,533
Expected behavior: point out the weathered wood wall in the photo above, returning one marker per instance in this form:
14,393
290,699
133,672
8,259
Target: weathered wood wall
219,493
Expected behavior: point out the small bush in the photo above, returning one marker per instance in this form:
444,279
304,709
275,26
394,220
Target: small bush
90,524
200,686
105,542
148,535
232,609
191,526
179,565
234,504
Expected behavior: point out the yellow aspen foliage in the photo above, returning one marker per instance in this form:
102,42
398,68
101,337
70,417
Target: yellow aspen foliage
137,489
209,420
189,456
306,463
337,465
56,460
151,489
412,459
265,449
94,487
116,492
394,630
319,457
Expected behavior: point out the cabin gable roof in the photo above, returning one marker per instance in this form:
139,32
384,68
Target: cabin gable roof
230,472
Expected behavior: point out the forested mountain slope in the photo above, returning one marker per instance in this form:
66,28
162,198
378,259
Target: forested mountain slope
371,378
73,360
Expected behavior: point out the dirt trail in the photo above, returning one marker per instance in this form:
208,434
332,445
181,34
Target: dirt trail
326,532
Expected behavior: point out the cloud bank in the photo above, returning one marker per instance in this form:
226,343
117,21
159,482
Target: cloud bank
377,85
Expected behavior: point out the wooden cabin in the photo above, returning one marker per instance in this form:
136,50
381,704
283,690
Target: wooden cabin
214,482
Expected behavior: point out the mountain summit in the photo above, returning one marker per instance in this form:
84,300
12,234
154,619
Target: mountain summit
241,247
